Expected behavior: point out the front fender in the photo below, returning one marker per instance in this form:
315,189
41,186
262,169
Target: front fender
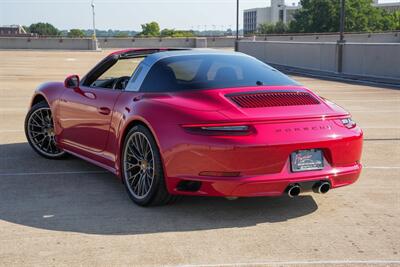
50,91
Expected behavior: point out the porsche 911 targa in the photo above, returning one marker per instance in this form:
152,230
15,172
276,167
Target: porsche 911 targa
172,122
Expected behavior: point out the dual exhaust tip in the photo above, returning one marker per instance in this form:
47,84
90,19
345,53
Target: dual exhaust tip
321,187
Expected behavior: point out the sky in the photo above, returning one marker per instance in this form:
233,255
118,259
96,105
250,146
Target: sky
129,14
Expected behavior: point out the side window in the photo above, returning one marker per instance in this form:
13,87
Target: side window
185,70
118,76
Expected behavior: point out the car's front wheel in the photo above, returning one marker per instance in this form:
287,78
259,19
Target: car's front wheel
142,169
39,130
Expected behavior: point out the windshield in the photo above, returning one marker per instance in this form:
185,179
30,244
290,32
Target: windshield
196,72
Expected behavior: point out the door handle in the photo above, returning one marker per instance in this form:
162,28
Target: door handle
137,98
104,110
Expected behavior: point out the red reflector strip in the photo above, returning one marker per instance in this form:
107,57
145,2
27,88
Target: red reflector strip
219,174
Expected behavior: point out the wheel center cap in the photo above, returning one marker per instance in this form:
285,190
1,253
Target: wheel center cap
49,132
143,165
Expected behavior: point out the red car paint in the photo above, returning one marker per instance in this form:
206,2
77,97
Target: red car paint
91,123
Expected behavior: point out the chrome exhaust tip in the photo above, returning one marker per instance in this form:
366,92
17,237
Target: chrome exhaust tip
293,190
321,187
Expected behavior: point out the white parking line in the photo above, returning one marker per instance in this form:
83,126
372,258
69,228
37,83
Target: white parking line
49,173
381,127
281,263
382,167
11,131
359,94
13,109
374,111
368,100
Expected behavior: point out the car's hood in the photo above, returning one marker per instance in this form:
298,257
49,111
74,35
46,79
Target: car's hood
256,103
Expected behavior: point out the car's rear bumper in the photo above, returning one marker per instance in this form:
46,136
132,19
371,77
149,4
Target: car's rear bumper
259,164
267,185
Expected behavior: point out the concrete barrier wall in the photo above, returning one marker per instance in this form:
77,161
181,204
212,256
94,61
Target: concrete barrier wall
215,42
110,43
386,37
47,43
365,59
212,42
381,60
311,55
164,42
145,42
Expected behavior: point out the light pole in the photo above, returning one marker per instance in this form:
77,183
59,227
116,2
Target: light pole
342,19
94,22
341,42
237,26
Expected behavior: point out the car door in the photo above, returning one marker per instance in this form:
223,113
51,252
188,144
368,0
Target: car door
85,112
85,116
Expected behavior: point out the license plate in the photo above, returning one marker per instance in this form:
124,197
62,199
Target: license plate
307,160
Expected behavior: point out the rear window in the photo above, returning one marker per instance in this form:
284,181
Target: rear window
196,72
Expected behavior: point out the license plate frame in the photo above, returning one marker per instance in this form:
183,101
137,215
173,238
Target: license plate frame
307,160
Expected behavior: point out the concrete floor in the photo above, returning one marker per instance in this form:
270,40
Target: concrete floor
72,213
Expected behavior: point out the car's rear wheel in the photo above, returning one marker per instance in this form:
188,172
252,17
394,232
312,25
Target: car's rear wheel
142,169
39,130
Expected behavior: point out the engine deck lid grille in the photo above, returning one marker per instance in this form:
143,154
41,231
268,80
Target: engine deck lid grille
272,99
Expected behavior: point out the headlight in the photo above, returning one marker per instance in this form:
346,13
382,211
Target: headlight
349,123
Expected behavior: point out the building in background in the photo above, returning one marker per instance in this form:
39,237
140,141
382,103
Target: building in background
252,18
391,7
278,11
13,31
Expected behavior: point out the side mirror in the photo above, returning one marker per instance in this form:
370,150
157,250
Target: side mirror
72,81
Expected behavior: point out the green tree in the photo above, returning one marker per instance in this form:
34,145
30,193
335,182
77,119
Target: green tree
396,19
167,32
280,27
76,33
150,29
316,16
176,33
362,16
183,34
266,28
323,16
121,35
43,29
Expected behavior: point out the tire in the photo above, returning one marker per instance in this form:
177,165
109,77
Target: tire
39,131
142,169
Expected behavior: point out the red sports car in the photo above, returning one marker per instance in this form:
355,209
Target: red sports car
172,122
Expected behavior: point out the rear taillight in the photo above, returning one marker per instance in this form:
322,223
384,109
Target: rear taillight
220,129
349,123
